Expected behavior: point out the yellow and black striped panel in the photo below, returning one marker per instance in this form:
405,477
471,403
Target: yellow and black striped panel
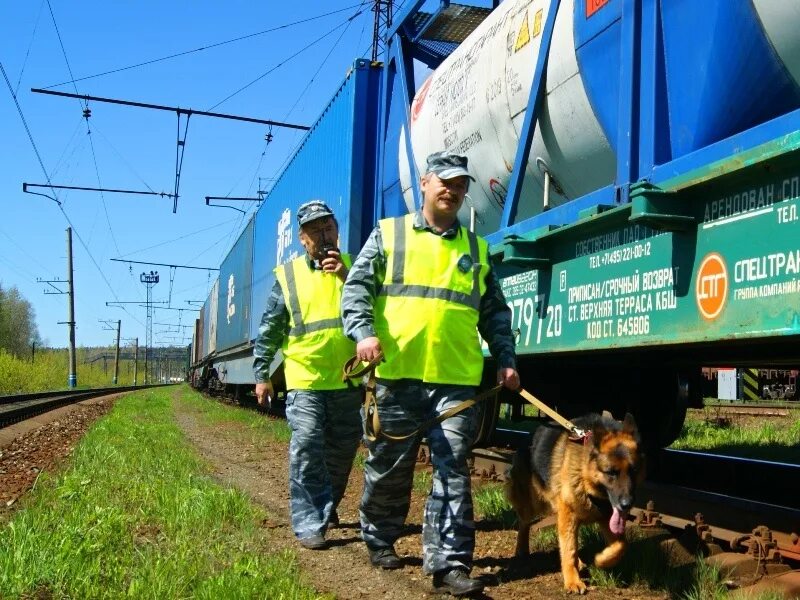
750,390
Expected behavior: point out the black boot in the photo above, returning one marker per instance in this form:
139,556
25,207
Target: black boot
385,558
457,583
333,521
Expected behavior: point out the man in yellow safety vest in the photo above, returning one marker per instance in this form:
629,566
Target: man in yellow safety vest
303,319
420,291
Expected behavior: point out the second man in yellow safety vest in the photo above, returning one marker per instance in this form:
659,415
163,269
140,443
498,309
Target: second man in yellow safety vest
303,319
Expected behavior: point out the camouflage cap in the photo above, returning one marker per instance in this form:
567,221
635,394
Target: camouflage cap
313,210
446,165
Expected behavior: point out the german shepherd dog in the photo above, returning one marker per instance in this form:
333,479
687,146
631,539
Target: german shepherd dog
591,481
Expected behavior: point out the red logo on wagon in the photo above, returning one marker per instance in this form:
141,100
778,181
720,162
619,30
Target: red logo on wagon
419,99
711,287
592,6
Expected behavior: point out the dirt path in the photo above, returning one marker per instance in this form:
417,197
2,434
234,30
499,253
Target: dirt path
344,569
29,448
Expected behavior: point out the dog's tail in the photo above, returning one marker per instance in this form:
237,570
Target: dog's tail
519,492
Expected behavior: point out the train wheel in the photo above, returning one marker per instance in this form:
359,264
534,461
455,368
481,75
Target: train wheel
660,408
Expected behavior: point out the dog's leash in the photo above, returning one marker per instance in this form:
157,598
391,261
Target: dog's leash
353,369
372,425
576,432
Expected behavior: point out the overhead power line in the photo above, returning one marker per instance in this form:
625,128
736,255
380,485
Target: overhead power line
51,186
141,262
86,114
44,170
174,109
202,48
285,60
181,144
30,45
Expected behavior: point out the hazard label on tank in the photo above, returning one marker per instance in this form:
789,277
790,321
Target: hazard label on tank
524,35
592,6
537,22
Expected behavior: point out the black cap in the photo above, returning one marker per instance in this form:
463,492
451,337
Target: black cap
446,165
311,211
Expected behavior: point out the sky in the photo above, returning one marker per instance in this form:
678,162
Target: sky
288,75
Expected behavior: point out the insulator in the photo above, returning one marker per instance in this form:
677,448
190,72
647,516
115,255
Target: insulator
87,112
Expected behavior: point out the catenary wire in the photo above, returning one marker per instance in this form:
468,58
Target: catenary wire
88,128
64,52
322,64
173,240
202,48
30,45
63,158
245,216
122,158
47,177
285,60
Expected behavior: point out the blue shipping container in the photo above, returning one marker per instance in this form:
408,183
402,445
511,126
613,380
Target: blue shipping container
335,163
235,277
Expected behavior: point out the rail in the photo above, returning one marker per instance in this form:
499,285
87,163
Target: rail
18,407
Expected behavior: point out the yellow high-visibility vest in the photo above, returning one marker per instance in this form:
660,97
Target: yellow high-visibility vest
426,314
316,347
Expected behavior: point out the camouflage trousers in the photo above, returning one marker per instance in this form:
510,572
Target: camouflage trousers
326,430
448,531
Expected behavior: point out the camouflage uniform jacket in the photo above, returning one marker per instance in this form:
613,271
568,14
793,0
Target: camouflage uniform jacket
366,278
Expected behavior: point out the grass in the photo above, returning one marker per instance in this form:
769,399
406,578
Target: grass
489,500
124,520
423,480
258,429
755,438
50,368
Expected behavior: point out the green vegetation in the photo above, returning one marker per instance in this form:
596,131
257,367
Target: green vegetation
707,583
17,323
258,429
423,480
529,422
756,438
491,504
50,366
124,520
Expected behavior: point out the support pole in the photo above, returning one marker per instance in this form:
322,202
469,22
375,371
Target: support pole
72,380
135,360
116,355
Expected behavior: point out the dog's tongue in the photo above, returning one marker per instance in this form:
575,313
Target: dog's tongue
617,522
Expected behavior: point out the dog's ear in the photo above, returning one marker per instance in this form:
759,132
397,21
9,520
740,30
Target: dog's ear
598,432
629,424
607,415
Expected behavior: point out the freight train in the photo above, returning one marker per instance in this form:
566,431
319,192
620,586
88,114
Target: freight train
637,178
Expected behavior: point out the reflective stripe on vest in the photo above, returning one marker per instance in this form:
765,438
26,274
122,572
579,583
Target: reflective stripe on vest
427,309
316,346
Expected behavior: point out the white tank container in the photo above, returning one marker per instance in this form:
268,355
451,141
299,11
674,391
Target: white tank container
474,104
780,20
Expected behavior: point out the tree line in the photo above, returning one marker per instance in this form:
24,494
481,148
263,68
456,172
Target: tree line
17,323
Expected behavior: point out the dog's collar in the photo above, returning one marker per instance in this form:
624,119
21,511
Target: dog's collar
581,436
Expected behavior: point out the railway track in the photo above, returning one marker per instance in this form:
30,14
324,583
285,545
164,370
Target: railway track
772,409
736,511
18,407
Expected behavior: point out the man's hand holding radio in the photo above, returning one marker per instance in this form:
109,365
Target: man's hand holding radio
332,262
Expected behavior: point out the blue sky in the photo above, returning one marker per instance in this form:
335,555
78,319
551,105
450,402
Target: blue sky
135,148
